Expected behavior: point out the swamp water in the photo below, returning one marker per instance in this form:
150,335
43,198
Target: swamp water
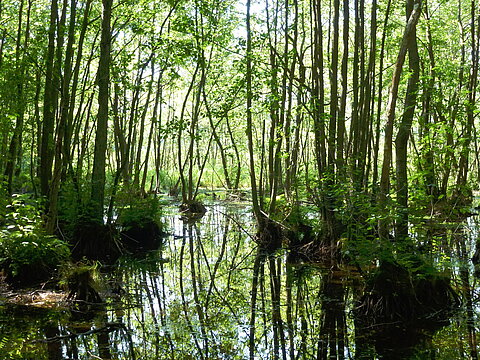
192,299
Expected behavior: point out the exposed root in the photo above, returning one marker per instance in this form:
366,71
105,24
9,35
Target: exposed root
270,235
96,241
142,237
317,252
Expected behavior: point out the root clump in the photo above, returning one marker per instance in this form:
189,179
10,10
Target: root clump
395,294
141,237
96,241
192,210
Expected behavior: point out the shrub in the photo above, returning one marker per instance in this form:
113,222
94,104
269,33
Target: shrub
140,221
27,253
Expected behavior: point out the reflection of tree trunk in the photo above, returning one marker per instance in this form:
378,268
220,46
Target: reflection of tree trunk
104,345
302,309
467,293
152,310
331,343
277,323
220,260
290,326
253,307
163,306
182,292
54,347
202,317
72,349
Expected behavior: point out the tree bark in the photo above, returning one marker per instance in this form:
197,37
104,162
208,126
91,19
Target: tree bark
49,107
251,156
392,101
98,175
401,141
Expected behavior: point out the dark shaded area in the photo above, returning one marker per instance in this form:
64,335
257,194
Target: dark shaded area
142,237
402,308
394,341
394,293
32,274
95,241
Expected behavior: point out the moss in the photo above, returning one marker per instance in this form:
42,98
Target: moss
81,282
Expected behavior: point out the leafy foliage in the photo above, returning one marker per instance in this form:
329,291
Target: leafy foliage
24,245
138,210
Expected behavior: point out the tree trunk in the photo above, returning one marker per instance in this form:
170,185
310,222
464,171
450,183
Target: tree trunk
461,186
64,110
103,77
392,101
251,156
49,106
401,141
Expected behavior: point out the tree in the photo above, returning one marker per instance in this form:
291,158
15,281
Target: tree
401,141
97,197
392,101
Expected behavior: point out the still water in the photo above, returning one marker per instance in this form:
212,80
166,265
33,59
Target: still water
208,293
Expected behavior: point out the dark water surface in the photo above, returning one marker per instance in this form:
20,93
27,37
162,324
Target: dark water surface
193,299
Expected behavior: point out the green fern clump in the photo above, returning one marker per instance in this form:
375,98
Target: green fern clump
27,253
139,218
137,210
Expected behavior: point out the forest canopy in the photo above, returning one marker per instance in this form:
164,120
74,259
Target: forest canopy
365,109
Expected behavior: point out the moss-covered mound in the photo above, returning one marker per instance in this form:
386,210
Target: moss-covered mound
139,221
192,210
80,280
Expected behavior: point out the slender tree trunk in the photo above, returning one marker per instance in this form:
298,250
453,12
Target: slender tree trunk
251,155
318,96
463,166
14,152
62,123
401,141
49,106
427,152
99,162
343,98
138,159
380,97
156,114
332,127
392,101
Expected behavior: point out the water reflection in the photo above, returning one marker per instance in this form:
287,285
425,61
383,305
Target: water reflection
210,293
